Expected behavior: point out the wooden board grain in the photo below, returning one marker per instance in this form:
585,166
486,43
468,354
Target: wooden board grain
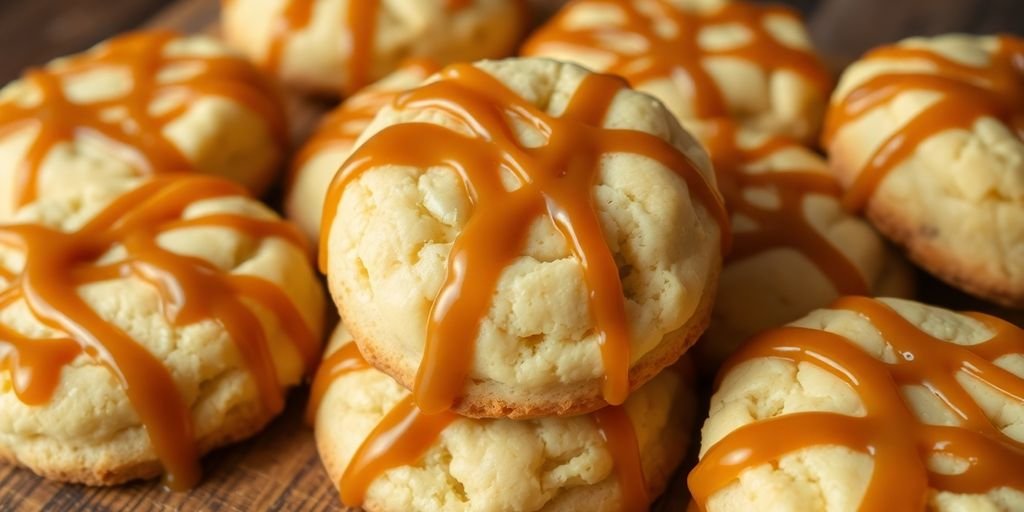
279,469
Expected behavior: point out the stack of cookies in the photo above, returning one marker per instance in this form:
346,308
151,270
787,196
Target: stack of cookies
488,307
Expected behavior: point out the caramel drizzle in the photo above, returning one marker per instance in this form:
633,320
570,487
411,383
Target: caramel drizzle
551,180
360,33
680,56
140,134
405,434
616,428
889,431
400,439
785,225
192,290
968,94
345,360
342,126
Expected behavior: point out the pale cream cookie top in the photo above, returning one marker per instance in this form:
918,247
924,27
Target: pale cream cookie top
794,247
926,136
869,405
537,348
702,58
318,160
138,104
168,323
547,464
339,46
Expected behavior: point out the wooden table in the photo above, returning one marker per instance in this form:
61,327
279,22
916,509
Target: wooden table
279,469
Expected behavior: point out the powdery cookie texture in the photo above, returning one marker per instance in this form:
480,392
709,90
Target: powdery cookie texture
471,290
794,247
318,160
703,58
167,324
925,136
871,404
138,104
338,46
618,458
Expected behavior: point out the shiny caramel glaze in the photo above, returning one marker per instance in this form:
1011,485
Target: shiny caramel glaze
359,34
677,54
889,432
616,429
342,126
555,181
140,135
345,360
400,439
192,290
968,93
785,224
405,434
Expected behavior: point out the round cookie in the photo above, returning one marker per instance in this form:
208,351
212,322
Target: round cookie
794,247
618,458
925,136
137,104
330,145
703,59
169,323
871,404
454,239
339,46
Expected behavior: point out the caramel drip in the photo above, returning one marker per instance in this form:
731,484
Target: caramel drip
360,33
400,439
678,55
553,181
343,125
406,433
617,431
295,16
140,133
785,225
889,431
192,291
34,366
362,29
968,93
345,360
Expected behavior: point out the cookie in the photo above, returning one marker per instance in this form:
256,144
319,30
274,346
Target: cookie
704,59
336,47
321,156
794,247
925,137
523,238
618,458
168,324
138,104
870,404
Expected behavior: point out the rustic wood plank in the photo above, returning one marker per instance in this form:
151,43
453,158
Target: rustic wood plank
276,470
